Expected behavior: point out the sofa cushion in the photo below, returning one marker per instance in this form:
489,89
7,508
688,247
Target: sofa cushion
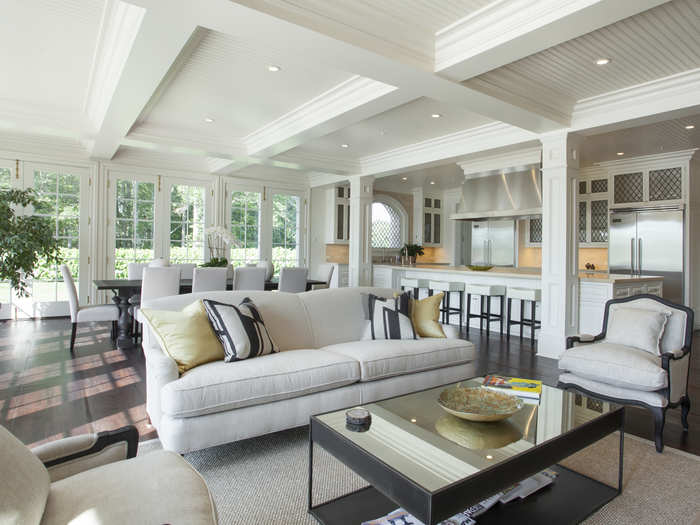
425,314
392,357
159,487
220,386
615,364
24,485
389,317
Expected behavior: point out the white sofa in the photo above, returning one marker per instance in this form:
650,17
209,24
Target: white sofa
324,365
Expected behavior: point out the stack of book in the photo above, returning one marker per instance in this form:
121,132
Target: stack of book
528,389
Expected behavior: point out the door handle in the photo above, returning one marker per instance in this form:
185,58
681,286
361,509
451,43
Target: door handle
639,256
632,256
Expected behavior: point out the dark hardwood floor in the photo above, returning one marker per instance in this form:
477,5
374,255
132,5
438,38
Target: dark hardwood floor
46,394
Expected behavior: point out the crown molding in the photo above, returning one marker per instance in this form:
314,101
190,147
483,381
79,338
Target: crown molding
486,165
118,29
458,144
313,161
657,96
43,148
316,179
644,160
348,95
152,137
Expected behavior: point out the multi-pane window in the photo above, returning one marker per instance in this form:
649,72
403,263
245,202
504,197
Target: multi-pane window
5,288
5,177
187,222
245,227
285,230
134,224
59,201
386,226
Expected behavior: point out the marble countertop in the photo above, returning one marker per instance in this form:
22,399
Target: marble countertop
523,273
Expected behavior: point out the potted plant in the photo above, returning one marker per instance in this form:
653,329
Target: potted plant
26,241
411,251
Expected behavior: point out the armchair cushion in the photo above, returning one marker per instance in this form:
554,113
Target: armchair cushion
637,327
159,487
617,365
24,485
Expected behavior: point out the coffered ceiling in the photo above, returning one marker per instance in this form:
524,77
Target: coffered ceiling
176,79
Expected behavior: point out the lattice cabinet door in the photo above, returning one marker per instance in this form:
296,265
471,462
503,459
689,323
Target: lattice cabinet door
628,187
666,184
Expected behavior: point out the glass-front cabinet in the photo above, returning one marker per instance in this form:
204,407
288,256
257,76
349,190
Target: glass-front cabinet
432,221
339,202
592,211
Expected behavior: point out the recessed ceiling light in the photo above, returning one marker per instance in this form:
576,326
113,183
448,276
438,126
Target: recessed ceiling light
413,420
432,182
603,61
436,115
274,68
489,456
690,126
208,120
404,178
345,145
620,153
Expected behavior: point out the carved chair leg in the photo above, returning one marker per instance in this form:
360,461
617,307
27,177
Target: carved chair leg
659,420
685,409
74,328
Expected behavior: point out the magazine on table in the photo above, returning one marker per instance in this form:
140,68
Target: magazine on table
526,388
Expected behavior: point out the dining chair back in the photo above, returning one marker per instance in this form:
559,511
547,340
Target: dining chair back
186,269
247,278
134,271
209,279
72,292
293,280
160,262
160,282
324,272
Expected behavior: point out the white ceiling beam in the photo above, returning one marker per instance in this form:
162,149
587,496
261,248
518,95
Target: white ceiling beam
508,30
162,36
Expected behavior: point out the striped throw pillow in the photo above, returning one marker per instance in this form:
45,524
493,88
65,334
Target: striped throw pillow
389,318
240,329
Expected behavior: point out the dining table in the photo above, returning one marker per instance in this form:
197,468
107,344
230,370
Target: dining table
124,289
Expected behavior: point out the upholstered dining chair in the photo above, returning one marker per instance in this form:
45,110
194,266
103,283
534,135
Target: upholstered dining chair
324,272
157,282
641,358
159,262
134,272
209,279
84,314
186,269
248,278
293,280
97,478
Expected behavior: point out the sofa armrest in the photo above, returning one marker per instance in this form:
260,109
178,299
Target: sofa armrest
75,454
677,366
161,369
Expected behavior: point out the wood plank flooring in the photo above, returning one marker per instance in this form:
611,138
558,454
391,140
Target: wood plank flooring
46,394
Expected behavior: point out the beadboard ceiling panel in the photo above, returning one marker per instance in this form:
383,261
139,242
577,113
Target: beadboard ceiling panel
227,79
406,124
659,137
654,44
411,24
47,53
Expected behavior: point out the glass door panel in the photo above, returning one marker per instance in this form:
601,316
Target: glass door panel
6,182
134,223
245,227
287,219
187,223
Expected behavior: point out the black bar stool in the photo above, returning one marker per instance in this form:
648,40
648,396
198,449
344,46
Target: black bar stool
487,291
446,309
534,295
414,284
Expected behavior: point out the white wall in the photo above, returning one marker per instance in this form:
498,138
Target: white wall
319,215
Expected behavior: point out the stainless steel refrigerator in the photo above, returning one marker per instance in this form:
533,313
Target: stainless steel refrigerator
649,242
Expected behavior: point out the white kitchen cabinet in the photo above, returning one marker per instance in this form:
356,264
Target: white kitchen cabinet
339,224
432,221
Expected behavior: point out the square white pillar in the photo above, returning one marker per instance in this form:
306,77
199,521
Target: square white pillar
560,283
417,215
360,257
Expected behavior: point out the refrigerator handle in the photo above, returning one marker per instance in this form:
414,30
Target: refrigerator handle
632,256
639,256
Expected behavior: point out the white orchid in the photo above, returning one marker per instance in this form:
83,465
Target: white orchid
220,241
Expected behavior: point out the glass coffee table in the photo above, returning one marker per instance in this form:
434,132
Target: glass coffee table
434,465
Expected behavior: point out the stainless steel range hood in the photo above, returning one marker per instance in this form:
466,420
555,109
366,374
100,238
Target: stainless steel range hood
513,194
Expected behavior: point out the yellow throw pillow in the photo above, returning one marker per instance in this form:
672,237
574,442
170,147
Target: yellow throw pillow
186,336
425,314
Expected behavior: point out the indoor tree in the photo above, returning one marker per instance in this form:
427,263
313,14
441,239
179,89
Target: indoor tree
26,241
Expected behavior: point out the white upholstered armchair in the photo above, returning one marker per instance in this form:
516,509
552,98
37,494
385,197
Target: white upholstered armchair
641,357
95,478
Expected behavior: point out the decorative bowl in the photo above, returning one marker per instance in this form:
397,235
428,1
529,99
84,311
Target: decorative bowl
477,435
480,268
478,403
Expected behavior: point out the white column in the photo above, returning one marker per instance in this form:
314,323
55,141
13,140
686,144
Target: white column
417,215
560,286
360,259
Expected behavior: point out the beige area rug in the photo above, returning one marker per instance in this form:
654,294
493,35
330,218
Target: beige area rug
264,480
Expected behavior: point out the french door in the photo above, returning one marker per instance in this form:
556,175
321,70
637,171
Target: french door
154,216
288,228
7,178
244,213
62,191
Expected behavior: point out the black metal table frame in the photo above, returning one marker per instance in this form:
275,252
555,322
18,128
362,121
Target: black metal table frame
433,507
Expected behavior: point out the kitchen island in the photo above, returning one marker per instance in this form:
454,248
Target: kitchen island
595,287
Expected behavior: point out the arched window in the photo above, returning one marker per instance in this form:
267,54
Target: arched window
388,225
